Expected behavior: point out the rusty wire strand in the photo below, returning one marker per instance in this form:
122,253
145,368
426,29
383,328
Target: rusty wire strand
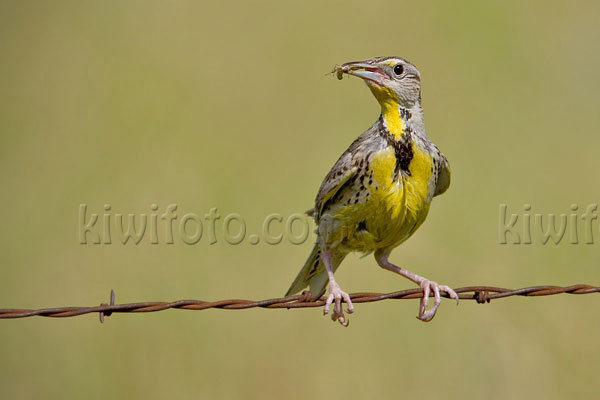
481,294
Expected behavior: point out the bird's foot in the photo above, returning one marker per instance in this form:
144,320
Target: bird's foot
336,294
428,287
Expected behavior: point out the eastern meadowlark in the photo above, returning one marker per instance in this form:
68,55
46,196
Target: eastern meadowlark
379,191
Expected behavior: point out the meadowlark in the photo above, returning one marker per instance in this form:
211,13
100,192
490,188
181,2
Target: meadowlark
379,191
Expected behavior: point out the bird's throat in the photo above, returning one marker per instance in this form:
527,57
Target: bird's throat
394,118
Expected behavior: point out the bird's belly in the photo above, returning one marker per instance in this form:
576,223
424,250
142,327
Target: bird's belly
390,211
385,220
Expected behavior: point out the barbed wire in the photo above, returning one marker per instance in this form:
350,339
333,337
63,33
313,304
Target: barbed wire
481,294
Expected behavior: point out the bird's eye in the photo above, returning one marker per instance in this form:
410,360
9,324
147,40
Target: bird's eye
398,69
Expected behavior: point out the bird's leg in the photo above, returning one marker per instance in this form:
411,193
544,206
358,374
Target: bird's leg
335,294
425,284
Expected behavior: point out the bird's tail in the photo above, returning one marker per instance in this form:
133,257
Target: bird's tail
313,274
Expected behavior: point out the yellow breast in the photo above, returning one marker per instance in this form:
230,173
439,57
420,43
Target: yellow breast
402,205
397,204
394,209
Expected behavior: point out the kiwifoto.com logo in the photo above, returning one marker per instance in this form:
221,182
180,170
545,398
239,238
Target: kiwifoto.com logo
169,226
524,226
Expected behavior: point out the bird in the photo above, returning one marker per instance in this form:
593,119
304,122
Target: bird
379,191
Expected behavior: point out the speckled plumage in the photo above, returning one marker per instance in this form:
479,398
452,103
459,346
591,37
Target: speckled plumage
379,191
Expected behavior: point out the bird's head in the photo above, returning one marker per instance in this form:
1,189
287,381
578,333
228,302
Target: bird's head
393,80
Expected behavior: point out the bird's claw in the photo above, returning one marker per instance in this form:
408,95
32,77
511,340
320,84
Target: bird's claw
336,294
429,286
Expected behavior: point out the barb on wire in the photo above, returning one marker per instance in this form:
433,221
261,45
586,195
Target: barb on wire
481,294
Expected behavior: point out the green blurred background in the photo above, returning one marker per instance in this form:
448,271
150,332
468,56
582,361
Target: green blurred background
227,105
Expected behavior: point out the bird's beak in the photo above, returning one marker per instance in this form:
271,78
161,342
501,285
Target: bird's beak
368,72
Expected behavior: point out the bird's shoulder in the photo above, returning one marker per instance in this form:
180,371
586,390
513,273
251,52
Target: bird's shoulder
443,174
348,166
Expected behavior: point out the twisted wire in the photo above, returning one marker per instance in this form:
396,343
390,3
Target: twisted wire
481,294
